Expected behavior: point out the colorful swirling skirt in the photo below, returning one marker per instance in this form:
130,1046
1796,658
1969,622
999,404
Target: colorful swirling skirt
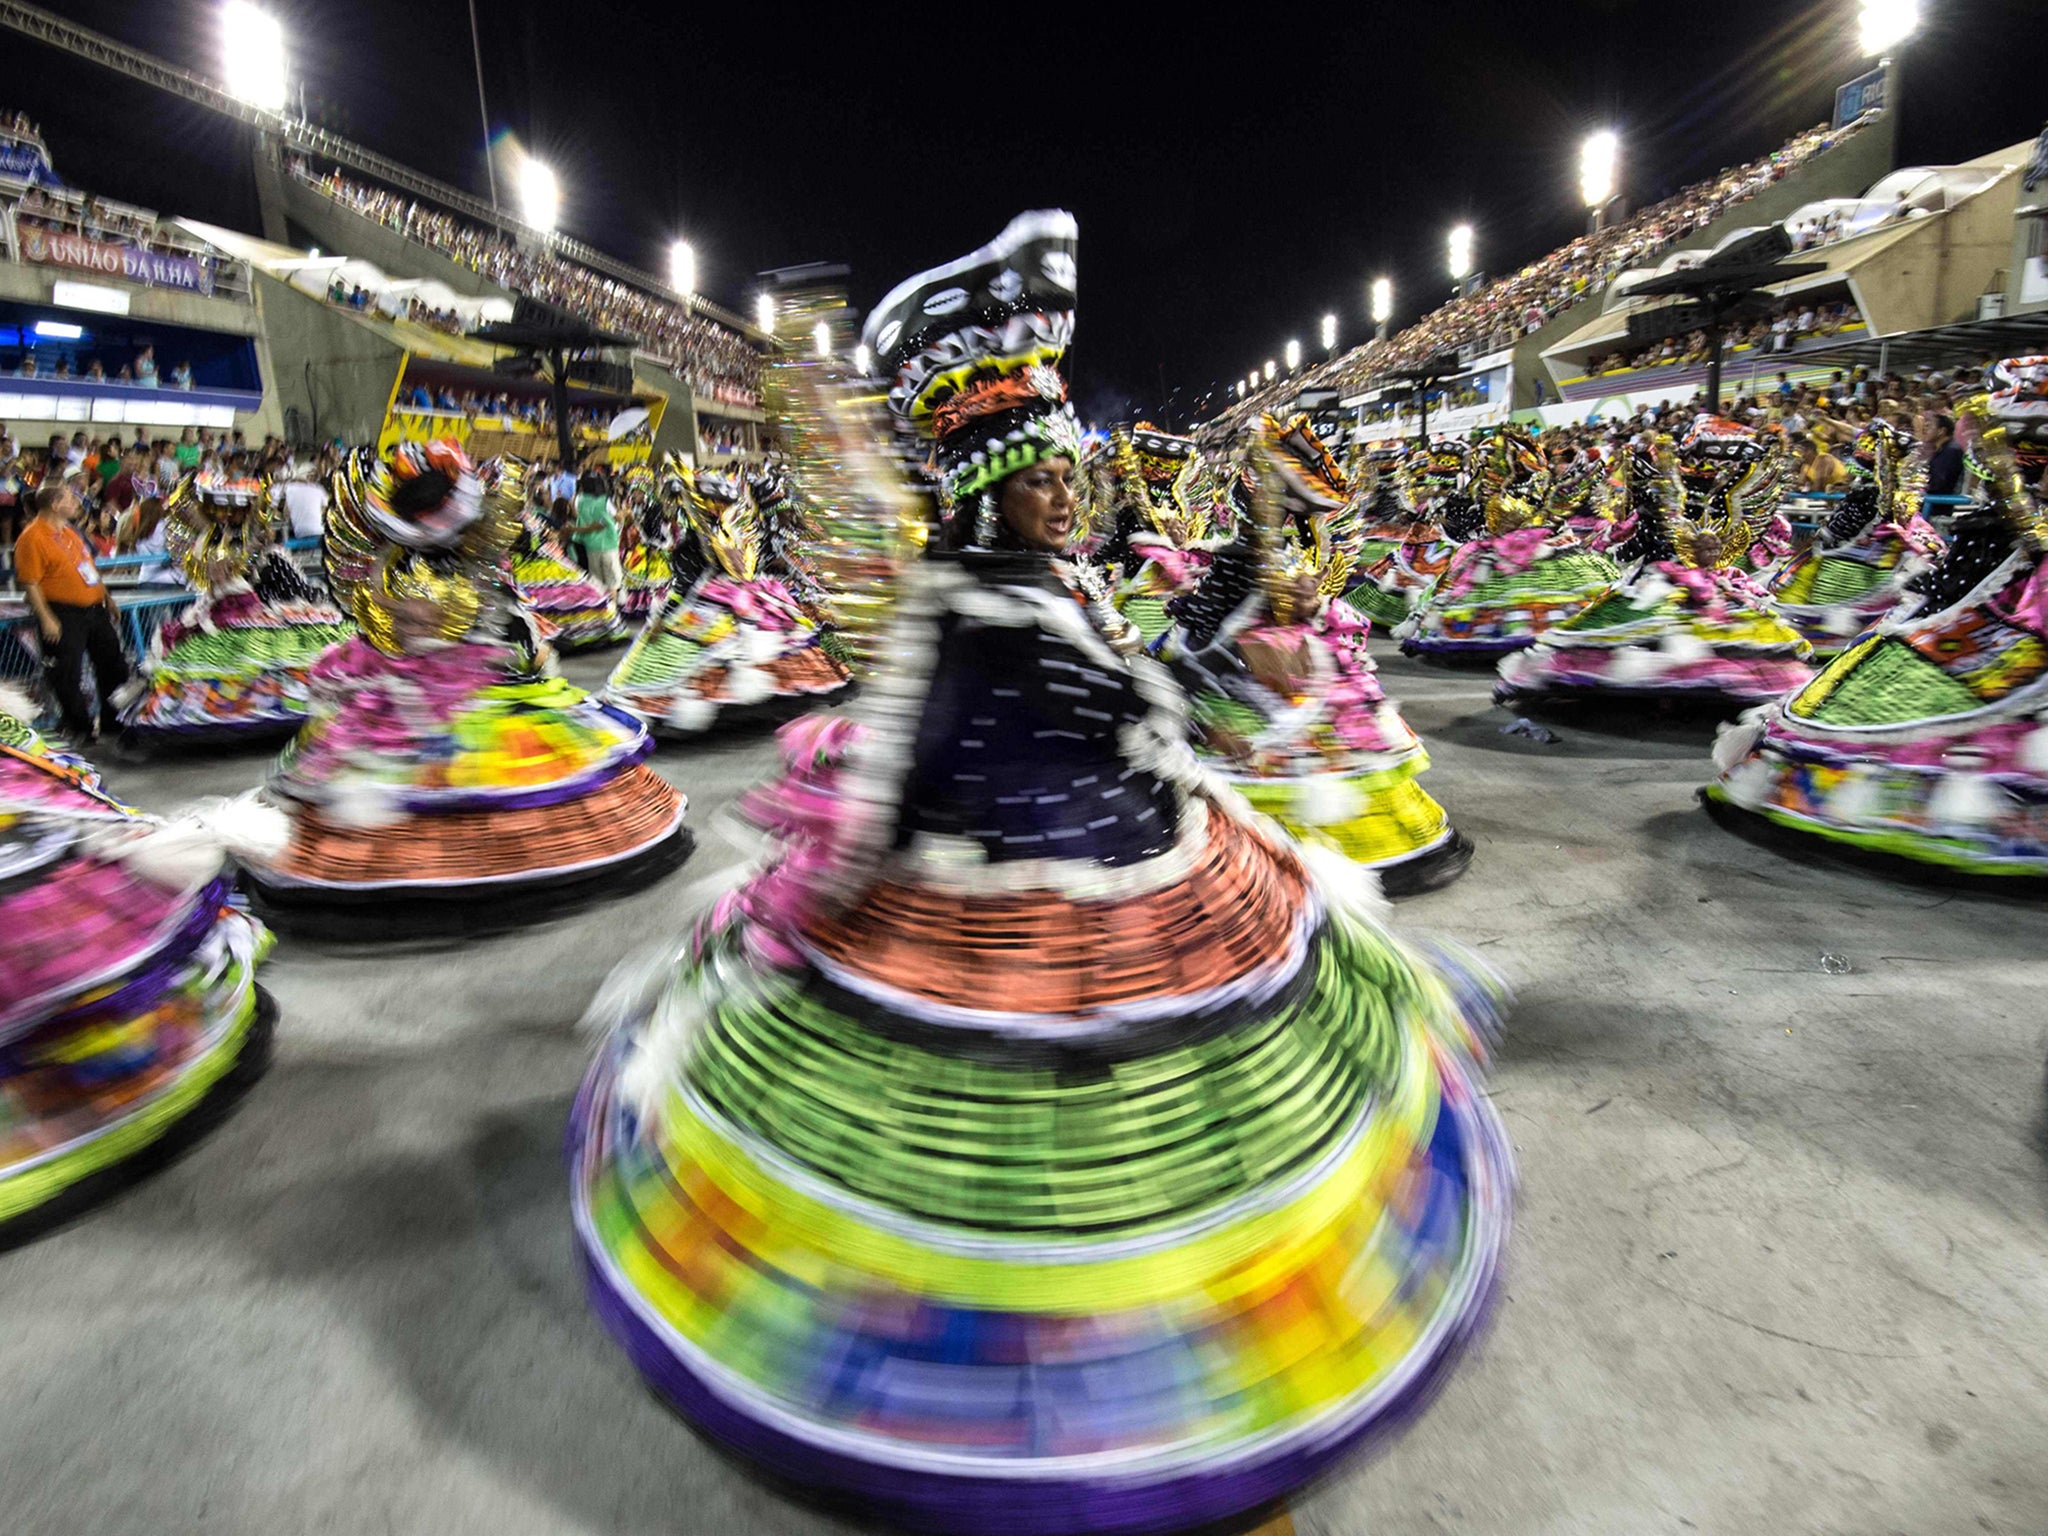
1335,762
1029,1211
241,678
452,779
1394,575
724,650
648,576
1924,746
125,1003
1653,637
576,613
1489,600
1833,595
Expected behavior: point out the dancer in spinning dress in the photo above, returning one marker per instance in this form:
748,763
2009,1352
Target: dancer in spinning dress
1689,621
233,666
1405,547
1158,475
1923,748
650,529
573,612
1285,701
449,781
1517,578
735,642
1861,564
1038,1144
129,1010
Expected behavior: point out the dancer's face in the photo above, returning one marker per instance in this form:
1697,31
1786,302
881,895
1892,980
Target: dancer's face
1038,504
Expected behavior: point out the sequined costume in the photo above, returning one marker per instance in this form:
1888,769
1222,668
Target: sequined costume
129,1008
1405,548
1589,500
448,781
651,507
1286,705
572,612
1924,746
1518,577
1156,476
1690,620
735,642
234,665
1037,1145
1858,567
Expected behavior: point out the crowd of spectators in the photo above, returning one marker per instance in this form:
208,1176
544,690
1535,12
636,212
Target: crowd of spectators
717,361
53,360
527,410
121,481
66,210
719,439
1794,321
355,296
1840,224
1503,311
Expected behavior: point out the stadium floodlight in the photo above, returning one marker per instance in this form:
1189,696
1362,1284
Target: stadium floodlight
1271,369
821,338
1329,333
1461,253
1598,157
252,55
764,313
863,360
1240,389
1884,24
1292,352
1382,300
540,195
682,268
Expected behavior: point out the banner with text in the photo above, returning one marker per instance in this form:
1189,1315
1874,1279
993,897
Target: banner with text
108,258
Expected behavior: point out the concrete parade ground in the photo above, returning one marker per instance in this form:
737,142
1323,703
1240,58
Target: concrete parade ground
1780,1261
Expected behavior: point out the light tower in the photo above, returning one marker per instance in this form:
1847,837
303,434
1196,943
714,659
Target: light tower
1598,158
1382,306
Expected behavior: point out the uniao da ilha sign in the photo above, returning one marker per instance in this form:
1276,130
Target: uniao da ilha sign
108,258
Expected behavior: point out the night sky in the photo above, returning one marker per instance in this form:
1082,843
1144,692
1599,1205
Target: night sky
1233,182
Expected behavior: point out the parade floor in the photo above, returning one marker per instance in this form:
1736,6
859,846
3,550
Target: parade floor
1780,1263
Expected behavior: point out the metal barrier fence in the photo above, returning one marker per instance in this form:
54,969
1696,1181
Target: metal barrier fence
145,609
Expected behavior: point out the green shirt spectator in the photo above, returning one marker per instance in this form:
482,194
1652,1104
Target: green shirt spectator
594,525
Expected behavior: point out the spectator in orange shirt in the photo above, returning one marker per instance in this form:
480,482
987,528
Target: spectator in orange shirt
74,611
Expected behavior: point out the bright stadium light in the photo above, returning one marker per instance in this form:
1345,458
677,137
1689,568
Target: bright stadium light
1240,389
682,268
1461,253
1382,300
252,55
1292,352
1597,159
863,360
1271,369
1884,24
540,195
764,313
821,338
1329,333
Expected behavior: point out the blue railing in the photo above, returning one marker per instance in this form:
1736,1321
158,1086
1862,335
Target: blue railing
144,610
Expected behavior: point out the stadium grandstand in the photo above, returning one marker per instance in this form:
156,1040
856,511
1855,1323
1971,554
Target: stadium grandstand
1480,326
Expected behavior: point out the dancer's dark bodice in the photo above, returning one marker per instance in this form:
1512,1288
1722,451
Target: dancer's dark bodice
1018,745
